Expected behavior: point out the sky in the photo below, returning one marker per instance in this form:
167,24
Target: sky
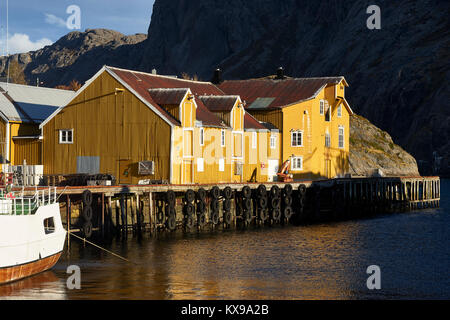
34,24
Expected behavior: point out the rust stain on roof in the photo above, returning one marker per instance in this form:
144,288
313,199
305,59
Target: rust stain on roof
219,103
283,92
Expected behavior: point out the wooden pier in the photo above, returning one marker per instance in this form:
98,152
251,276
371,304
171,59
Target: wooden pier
118,210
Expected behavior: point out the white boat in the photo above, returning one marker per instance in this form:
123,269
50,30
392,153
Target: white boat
31,234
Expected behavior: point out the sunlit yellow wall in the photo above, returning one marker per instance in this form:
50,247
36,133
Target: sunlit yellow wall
306,116
110,125
24,149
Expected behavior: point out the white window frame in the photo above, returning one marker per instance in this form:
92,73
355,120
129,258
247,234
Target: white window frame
221,164
202,136
339,110
292,135
322,107
329,111
273,141
339,137
294,163
61,141
254,140
222,138
327,139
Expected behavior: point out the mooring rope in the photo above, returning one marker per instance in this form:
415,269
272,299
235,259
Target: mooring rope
91,243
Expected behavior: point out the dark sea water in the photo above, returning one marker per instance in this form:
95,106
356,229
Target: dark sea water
325,261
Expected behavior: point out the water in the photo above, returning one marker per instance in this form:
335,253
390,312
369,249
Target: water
326,261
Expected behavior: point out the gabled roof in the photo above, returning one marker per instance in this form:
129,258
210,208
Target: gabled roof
30,104
219,103
251,123
165,96
207,118
271,93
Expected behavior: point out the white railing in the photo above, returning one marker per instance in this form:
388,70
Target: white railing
15,203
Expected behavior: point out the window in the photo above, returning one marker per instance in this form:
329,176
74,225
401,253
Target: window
66,136
322,107
222,138
254,139
200,164
297,163
328,114
341,137
297,138
221,164
273,141
49,225
202,136
327,140
339,111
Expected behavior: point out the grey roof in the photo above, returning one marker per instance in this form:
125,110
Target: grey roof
25,103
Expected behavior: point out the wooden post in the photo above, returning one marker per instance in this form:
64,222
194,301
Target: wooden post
150,206
68,220
103,215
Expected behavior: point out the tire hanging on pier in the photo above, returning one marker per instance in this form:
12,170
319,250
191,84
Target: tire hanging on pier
87,213
227,192
86,229
86,197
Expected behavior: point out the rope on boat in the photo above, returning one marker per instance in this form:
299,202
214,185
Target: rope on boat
91,243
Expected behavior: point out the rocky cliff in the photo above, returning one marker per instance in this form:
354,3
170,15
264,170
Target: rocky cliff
372,148
398,75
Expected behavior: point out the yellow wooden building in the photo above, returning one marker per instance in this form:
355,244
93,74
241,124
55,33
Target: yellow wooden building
312,116
22,109
138,126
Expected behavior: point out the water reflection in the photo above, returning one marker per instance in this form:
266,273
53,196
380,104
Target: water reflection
326,261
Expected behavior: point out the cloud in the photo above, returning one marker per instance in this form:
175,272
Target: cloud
52,19
20,43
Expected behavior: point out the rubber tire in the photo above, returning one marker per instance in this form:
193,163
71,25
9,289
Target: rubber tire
201,219
246,192
227,205
170,197
201,194
87,213
189,196
287,200
215,217
159,215
227,193
189,222
214,205
189,209
86,196
276,214
302,190
87,229
287,212
247,216
262,202
287,189
275,202
201,207
263,214
170,211
227,217
171,223
262,191
215,192
275,191
247,203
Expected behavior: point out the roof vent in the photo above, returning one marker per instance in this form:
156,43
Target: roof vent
280,74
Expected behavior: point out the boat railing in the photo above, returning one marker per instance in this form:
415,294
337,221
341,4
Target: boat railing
15,203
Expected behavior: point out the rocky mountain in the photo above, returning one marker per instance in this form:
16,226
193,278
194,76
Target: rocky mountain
398,74
78,56
372,148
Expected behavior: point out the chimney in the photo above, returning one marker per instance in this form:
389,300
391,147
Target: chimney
280,74
217,77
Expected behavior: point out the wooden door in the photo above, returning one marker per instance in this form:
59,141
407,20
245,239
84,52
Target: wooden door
124,171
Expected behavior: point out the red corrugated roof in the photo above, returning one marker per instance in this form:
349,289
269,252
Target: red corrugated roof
141,82
251,123
284,92
164,96
219,103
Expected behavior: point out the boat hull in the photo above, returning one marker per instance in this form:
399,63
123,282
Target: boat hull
14,273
